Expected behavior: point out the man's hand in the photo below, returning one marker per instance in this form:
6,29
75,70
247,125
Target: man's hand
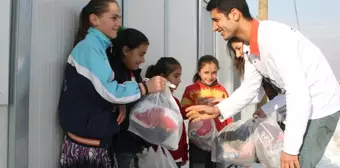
289,161
216,100
202,112
259,113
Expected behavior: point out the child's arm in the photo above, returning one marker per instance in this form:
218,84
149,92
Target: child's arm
91,64
187,101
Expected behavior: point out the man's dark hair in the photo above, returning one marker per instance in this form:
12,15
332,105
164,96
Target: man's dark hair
226,6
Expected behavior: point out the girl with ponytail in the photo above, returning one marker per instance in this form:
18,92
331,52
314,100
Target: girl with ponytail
205,87
92,101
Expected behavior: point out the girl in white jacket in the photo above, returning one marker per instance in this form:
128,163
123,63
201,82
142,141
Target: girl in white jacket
277,103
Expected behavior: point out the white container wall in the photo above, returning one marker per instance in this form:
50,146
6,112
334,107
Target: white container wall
53,29
182,38
171,27
149,19
42,39
5,11
19,84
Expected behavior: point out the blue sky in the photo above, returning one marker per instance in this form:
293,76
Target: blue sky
319,21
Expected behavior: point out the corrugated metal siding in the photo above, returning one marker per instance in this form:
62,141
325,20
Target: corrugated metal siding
5,10
171,27
149,19
182,41
3,134
53,28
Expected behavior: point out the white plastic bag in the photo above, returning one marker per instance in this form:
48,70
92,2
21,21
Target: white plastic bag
157,119
235,145
156,159
268,138
238,143
148,159
203,134
331,157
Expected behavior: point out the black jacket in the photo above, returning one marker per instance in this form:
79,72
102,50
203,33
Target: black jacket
126,141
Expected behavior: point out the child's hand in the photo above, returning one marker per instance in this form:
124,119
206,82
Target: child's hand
259,114
122,114
156,84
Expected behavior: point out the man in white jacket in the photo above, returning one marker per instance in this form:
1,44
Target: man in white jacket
283,56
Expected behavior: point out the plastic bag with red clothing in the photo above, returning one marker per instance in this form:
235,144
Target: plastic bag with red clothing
157,119
238,143
203,133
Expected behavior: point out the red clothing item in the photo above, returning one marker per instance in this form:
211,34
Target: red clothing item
182,151
193,93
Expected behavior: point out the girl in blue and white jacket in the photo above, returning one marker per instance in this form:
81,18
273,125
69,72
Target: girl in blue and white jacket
91,98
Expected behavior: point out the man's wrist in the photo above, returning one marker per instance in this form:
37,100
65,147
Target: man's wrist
288,153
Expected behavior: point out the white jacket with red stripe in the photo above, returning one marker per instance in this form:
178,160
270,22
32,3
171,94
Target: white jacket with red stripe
294,64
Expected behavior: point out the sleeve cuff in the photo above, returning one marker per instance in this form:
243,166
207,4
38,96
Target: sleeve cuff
290,151
291,144
267,109
224,115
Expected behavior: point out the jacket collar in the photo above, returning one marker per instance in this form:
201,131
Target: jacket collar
254,46
104,40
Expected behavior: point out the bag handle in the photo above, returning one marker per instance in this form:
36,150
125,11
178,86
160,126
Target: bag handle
169,84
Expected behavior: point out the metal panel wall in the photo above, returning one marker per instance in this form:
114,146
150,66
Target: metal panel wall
206,36
182,38
171,27
3,135
5,9
53,28
149,19
19,83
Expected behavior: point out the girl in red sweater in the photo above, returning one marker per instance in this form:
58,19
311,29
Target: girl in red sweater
205,87
171,69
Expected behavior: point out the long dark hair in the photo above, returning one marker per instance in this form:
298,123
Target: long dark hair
132,39
201,62
238,62
164,66
96,7
129,37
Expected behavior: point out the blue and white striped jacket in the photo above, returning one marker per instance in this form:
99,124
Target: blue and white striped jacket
90,91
